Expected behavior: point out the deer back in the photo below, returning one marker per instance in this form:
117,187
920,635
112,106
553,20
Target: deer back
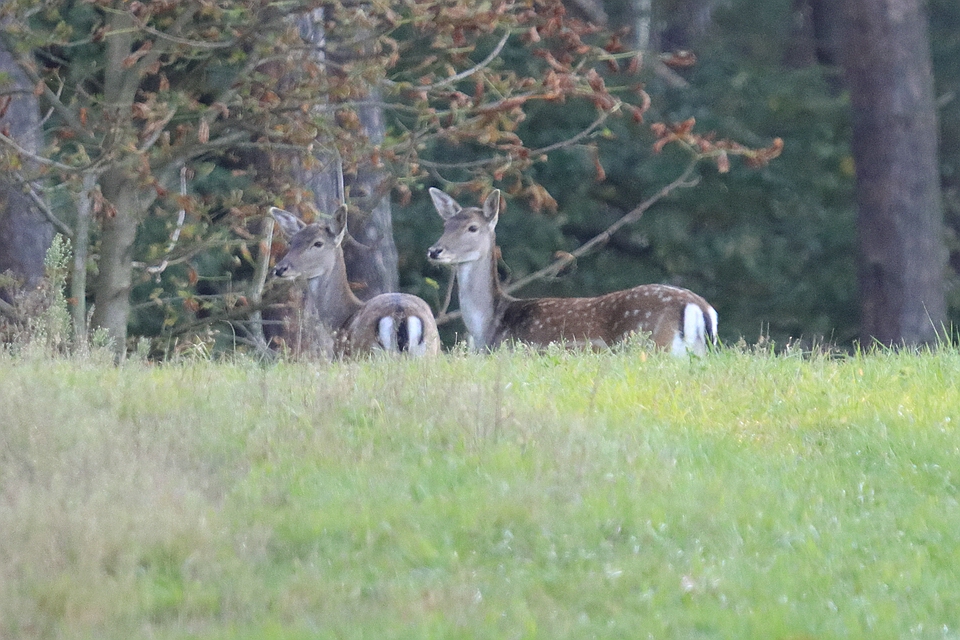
676,319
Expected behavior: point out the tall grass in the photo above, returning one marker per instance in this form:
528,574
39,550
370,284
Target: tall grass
518,495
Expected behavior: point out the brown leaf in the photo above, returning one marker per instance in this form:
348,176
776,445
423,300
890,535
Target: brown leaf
404,196
595,81
723,162
132,59
614,45
348,119
682,59
601,174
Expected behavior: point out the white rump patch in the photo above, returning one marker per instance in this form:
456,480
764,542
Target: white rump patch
416,345
694,329
678,348
387,334
713,324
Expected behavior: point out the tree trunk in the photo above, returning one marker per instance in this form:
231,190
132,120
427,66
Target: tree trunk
118,231
375,264
816,33
25,233
684,23
900,220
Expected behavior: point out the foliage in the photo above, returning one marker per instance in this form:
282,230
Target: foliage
773,249
38,320
547,495
238,95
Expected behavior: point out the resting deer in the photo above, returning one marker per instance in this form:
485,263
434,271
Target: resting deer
676,319
392,322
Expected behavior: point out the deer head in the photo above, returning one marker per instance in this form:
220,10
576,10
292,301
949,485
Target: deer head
314,248
468,234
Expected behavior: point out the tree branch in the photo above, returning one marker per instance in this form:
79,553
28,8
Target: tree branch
499,159
682,181
175,237
446,82
57,223
10,142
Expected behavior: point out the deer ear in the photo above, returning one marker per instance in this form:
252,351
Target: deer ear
446,206
289,223
339,225
491,207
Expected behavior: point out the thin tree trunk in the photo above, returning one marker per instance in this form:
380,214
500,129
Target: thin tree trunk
118,231
900,221
119,227
686,22
374,264
81,246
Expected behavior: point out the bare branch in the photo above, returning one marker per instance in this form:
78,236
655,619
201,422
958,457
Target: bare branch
175,237
569,142
195,44
446,82
159,129
682,181
499,159
26,64
33,157
263,261
57,223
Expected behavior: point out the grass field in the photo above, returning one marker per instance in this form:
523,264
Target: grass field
519,495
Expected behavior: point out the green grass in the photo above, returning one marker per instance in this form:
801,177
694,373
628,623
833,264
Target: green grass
519,495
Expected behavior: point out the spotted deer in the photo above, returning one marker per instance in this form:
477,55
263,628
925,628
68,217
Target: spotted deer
676,319
390,322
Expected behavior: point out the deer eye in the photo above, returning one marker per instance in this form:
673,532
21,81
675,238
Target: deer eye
473,228
318,244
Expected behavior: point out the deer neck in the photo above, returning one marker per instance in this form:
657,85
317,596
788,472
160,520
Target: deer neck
330,299
481,299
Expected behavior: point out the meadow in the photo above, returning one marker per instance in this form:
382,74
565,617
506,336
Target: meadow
516,495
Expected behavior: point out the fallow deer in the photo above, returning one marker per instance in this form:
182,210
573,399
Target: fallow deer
391,322
676,319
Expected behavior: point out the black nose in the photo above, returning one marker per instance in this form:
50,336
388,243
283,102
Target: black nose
279,270
434,252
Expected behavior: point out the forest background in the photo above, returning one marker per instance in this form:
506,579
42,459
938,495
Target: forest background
773,248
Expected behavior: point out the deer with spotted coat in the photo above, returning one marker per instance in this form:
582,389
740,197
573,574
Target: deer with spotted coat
676,319
391,322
